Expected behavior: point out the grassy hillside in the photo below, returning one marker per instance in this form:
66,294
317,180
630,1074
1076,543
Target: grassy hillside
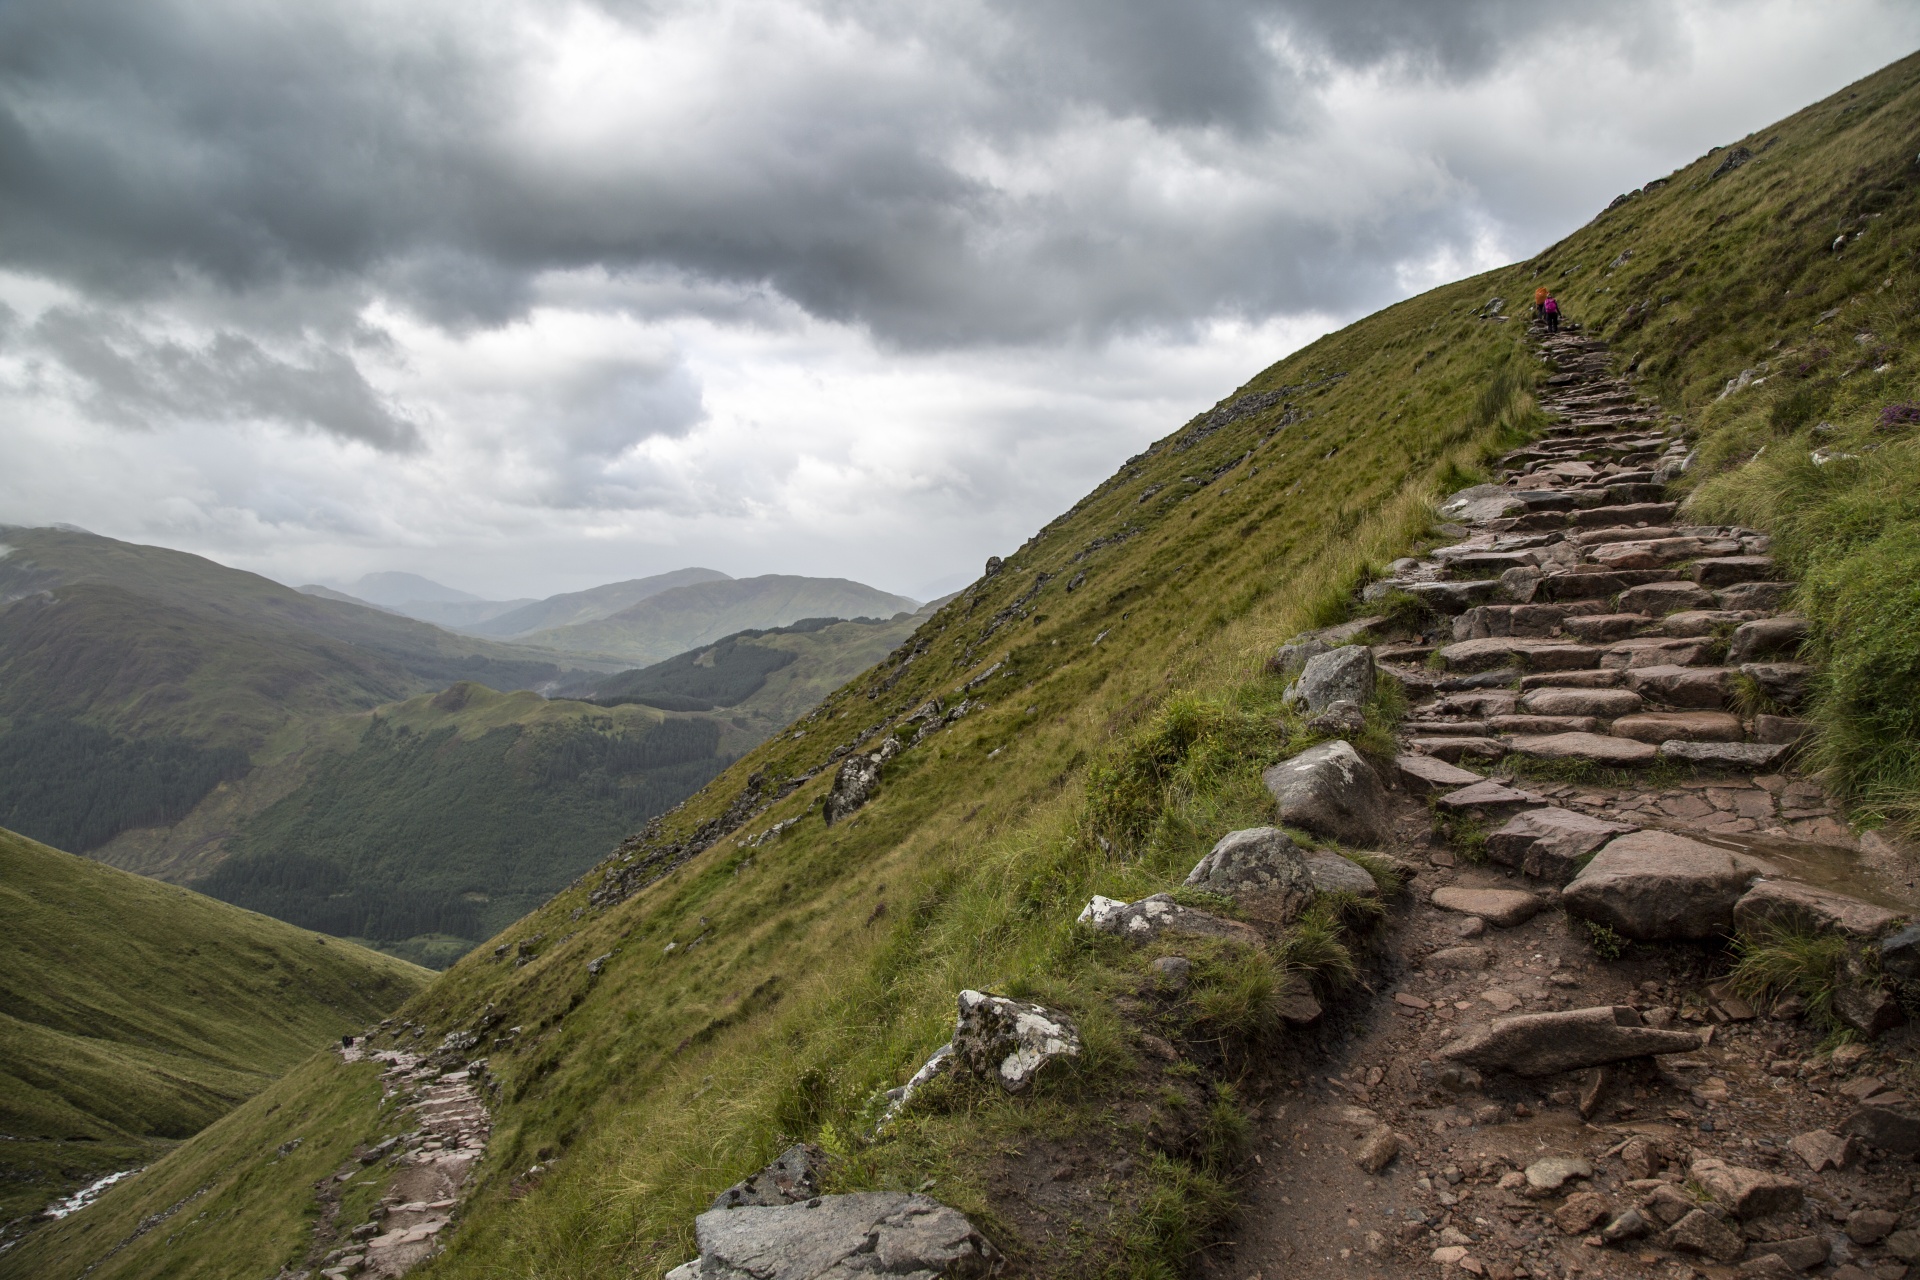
754,995
136,1013
696,614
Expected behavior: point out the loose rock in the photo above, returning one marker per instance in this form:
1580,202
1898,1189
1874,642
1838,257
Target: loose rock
1551,843
1330,791
1378,1151
1340,675
1746,1193
1702,1233
834,1236
1538,1044
1261,869
1502,907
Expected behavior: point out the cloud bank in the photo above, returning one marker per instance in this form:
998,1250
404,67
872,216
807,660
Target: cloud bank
527,296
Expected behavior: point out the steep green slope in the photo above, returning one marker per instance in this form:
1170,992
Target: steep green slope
697,614
753,995
136,1013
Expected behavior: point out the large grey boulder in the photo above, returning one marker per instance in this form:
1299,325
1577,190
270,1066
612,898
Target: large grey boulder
1262,870
1654,886
1330,791
1153,917
1009,1042
1542,1044
1345,674
1551,843
890,1233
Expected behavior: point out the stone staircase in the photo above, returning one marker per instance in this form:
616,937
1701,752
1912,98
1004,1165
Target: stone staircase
1586,622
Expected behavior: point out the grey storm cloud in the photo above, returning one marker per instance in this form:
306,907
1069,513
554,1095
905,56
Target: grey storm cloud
144,142
130,379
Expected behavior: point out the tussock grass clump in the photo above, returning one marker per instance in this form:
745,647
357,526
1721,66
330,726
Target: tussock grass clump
1188,746
1779,961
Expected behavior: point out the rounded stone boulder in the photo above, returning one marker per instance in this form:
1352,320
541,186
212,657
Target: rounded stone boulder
1345,674
1330,791
1261,869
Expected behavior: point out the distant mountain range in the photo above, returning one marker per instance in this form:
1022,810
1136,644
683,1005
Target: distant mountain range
322,758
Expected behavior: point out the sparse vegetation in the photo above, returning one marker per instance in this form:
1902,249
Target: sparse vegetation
1780,961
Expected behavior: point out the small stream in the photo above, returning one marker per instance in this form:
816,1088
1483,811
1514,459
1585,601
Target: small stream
85,1195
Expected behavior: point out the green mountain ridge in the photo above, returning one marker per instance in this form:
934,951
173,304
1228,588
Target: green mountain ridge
697,614
135,1013
590,605
723,983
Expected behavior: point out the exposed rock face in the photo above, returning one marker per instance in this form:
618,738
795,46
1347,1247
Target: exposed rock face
1655,886
1149,918
1345,674
1551,843
1538,1044
1330,791
857,780
891,1233
1792,905
795,1175
1261,869
1009,1042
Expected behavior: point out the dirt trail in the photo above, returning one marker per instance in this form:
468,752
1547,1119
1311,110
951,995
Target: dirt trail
1619,577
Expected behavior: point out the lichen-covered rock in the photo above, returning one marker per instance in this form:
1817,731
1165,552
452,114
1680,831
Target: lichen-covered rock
1330,791
892,1233
1539,1044
1009,1042
858,778
1345,674
794,1175
1149,918
1261,869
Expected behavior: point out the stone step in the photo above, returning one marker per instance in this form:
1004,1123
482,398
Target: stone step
1746,756
1626,514
1763,638
1536,655
1784,682
1762,597
1590,747
1727,571
1539,725
1658,553
1591,582
1488,564
1658,651
1690,688
1686,726
1426,775
1603,628
1705,622
1603,704
1598,678
1663,598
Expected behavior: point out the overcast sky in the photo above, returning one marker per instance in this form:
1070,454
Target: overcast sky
531,296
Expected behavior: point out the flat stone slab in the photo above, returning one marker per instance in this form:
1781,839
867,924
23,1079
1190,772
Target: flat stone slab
1466,747
1604,703
1726,755
1502,651
1681,726
1726,571
1663,598
1504,908
1486,794
892,1232
1598,748
1656,886
1541,1044
1551,843
1801,907
1429,775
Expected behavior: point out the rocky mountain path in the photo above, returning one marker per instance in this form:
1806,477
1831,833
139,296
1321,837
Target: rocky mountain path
1641,675
431,1164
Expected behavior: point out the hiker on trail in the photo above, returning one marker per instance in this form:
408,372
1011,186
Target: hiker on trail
1550,310
1539,303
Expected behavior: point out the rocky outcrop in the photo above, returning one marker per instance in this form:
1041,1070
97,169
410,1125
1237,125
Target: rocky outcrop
1009,1042
1156,916
1540,1044
891,1233
794,1175
1261,869
1330,791
857,780
1655,886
